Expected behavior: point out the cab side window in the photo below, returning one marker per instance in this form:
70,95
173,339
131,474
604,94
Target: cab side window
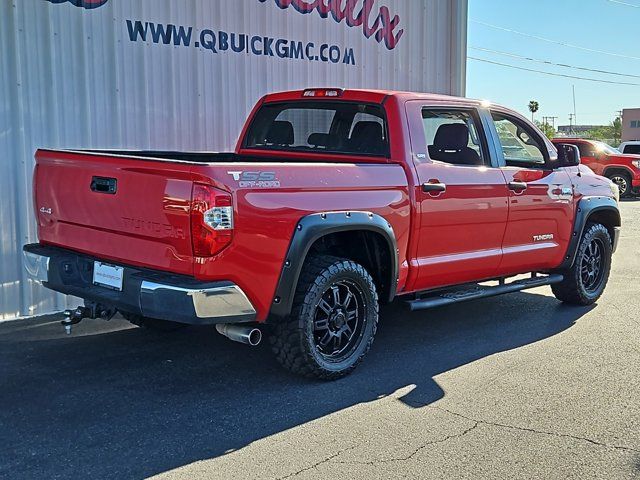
586,149
632,149
452,137
521,147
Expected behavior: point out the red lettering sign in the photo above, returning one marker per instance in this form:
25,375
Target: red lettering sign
380,25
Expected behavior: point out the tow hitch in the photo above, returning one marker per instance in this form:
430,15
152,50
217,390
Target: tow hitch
90,310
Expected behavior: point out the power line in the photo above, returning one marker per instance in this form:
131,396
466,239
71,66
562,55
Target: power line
552,74
556,42
624,3
547,62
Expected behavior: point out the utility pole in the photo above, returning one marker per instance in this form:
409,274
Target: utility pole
571,115
575,116
550,121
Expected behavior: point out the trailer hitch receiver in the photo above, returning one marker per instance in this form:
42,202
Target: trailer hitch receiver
89,310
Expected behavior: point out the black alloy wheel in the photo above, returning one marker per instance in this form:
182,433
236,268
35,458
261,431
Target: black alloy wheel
623,181
339,320
592,265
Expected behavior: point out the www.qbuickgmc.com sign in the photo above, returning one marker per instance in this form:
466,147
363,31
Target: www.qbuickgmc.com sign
376,21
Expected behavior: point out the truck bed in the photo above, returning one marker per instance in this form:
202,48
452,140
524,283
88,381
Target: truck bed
147,221
174,156
205,157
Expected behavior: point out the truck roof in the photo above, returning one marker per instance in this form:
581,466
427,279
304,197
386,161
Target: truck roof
371,95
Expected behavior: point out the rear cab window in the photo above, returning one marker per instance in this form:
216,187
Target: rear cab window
338,127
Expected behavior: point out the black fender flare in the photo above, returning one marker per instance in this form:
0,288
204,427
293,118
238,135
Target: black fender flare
315,226
586,207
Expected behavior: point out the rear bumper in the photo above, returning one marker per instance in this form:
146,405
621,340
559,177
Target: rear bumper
144,292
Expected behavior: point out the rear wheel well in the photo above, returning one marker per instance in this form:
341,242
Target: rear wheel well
368,248
613,170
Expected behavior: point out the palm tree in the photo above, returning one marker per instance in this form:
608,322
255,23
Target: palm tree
533,108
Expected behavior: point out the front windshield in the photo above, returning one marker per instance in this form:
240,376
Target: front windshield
605,148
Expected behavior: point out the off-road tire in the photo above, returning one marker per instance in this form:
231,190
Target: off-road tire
572,289
153,323
293,340
618,178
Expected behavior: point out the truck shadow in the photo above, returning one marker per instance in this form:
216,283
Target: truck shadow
119,402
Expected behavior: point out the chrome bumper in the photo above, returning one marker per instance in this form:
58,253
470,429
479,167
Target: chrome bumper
222,302
37,266
148,293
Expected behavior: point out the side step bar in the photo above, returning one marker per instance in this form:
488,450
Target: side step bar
480,291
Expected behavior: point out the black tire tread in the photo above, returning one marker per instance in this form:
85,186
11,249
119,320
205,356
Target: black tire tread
569,290
288,335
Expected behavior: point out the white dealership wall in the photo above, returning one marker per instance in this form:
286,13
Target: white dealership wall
70,77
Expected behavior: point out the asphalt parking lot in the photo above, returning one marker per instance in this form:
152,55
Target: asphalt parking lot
517,386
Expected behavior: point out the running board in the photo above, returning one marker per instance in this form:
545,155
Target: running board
480,291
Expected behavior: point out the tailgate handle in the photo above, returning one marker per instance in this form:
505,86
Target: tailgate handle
104,185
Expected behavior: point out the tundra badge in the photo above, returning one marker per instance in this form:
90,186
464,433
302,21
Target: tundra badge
542,238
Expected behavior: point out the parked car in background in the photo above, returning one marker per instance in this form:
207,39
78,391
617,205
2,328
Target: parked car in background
333,202
632,148
621,168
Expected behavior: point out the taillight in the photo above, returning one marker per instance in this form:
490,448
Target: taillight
34,197
211,220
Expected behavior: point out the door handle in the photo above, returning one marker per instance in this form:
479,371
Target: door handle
104,185
517,186
434,187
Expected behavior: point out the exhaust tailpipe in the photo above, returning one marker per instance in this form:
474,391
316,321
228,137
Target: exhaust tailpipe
239,333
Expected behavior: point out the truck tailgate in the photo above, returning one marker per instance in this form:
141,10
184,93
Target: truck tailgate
124,209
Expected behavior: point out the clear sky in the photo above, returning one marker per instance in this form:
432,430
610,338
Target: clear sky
611,26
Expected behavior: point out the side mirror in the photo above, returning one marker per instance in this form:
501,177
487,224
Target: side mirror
568,155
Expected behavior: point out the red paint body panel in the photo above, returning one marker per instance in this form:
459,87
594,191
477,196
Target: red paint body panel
265,219
475,230
458,232
146,224
542,209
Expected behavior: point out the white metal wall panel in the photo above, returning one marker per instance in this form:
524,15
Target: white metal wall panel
71,77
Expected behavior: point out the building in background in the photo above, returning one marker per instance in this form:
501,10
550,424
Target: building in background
630,124
577,130
176,75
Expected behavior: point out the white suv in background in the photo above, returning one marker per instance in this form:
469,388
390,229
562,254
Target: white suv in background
632,148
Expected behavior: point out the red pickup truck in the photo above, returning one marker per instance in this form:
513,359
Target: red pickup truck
621,169
333,202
